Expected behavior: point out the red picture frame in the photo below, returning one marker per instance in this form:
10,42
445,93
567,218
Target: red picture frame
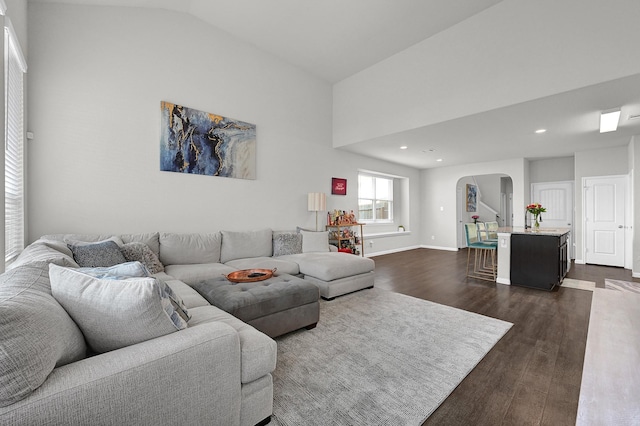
338,186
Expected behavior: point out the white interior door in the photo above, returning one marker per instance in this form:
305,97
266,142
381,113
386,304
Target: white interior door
604,220
557,198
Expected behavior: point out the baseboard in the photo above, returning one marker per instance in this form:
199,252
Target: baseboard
635,274
440,248
397,250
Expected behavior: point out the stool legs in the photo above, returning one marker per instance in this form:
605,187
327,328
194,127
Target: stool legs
485,266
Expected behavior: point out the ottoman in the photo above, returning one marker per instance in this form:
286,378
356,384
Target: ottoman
276,306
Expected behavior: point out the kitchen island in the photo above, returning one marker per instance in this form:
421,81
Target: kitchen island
533,258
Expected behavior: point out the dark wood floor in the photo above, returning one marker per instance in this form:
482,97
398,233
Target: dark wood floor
532,376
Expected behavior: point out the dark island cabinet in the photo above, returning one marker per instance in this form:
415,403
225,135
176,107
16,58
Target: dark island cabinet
538,261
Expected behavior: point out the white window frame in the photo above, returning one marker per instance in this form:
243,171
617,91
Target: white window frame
15,68
374,200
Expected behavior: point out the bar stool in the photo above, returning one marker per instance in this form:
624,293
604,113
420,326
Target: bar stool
485,266
484,234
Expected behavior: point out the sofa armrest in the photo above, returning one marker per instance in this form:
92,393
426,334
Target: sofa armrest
188,377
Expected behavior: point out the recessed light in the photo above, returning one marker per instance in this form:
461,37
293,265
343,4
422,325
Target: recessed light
541,131
609,121
439,160
403,147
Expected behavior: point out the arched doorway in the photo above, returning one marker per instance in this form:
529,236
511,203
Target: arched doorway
493,201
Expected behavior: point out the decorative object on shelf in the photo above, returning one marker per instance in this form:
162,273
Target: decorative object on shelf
341,217
316,202
475,218
346,239
338,186
536,210
472,194
198,142
400,228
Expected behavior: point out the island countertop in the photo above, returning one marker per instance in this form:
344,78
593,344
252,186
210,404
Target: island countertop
530,231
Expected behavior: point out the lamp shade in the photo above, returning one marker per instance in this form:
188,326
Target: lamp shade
317,201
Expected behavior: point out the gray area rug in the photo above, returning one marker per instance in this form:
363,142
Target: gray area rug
378,358
622,285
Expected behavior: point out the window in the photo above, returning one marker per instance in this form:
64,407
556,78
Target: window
15,68
375,198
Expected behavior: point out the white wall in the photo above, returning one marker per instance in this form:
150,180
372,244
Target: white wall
490,69
552,170
97,76
439,197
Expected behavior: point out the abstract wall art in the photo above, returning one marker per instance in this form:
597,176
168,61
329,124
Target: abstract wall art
472,194
198,142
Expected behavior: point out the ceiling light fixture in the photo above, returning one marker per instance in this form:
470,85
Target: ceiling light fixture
609,120
539,131
439,160
403,147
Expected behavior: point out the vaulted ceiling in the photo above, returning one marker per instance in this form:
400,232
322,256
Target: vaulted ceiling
336,39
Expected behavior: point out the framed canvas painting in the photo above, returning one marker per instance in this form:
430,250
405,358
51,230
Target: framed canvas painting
472,194
199,142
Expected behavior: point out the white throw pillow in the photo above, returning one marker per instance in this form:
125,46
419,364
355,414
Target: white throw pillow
315,242
115,313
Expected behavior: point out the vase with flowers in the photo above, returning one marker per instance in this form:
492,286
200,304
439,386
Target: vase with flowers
475,218
536,210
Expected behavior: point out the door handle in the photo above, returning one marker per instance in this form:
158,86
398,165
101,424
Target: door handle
620,226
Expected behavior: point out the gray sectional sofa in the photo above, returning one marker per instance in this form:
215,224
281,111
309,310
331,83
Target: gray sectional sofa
216,370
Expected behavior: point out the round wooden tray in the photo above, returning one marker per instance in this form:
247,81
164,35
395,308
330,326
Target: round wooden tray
250,275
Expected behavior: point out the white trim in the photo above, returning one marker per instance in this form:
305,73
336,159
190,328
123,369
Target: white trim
385,235
439,248
8,26
398,250
3,8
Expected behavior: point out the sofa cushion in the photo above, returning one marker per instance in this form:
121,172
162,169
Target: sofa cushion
189,296
331,266
74,238
115,313
283,266
287,243
137,251
45,251
189,249
190,274
240,245
152,239
103,253
258,351
36,333
315,242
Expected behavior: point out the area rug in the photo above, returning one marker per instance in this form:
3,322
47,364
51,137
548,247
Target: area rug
622,285
378,358
578,284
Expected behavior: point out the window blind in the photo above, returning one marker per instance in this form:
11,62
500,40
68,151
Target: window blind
15,68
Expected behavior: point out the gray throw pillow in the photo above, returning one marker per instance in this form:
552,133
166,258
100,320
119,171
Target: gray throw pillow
142,253
113,314
287,243
36,333
103,253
